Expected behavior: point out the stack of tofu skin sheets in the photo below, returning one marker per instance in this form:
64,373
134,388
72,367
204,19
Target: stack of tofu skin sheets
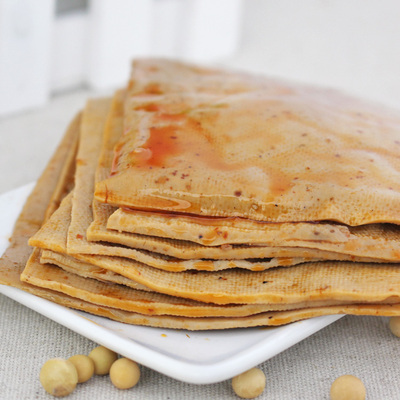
199,198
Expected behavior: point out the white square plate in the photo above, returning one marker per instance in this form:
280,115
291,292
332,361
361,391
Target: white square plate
194,357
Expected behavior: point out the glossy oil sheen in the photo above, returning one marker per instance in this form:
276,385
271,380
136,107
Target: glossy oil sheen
226,144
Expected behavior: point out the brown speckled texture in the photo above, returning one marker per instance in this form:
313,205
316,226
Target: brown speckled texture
196,138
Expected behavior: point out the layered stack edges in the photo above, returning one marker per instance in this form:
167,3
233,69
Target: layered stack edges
207,199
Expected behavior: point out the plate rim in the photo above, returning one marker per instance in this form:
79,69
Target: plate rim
183,370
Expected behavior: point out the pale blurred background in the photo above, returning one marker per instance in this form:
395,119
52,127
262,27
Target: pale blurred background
54,54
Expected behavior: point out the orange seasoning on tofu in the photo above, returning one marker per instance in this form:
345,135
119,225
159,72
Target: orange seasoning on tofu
177,136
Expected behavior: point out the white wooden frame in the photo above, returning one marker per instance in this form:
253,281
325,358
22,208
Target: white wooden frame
41,53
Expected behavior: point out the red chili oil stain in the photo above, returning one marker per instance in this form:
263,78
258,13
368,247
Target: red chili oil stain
150,107
162,145
183,141
191,218
177,136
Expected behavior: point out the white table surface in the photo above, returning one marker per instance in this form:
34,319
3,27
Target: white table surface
362,346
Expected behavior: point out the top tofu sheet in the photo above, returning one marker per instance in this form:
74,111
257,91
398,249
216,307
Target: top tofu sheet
217,143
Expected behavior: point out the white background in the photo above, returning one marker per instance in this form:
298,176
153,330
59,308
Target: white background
50,46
